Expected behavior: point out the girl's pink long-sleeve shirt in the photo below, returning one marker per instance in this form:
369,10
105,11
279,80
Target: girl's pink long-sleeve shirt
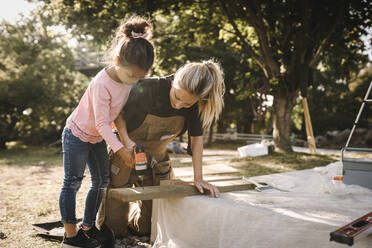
98,108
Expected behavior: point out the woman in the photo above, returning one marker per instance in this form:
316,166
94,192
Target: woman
157,111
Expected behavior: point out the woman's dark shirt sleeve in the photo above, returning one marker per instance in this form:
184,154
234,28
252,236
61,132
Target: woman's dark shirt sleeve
194,123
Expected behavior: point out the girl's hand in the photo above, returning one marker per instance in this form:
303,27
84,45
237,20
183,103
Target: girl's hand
127,155
201,185
128,143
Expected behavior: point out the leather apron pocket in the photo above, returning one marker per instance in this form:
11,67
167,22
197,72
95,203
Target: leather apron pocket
161,171
119,172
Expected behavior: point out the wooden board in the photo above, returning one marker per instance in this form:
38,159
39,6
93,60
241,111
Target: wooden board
309,127
211,179
175,190
207,170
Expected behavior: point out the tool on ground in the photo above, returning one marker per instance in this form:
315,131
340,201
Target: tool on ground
353,231
140,165
261,186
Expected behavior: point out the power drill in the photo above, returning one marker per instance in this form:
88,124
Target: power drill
140,165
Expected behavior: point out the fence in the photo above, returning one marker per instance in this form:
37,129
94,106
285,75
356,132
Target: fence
248,138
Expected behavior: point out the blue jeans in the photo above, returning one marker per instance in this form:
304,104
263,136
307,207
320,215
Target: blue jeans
76,154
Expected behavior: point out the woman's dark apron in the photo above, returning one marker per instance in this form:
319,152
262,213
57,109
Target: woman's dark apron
155,133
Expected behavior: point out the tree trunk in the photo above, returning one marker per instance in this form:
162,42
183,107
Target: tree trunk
282,122
2,144
258,125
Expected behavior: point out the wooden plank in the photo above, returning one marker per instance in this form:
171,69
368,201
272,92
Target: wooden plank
175,182
207,158
211,179
169,191
309,128
207,170
241,136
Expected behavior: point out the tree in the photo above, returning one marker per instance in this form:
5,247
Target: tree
293,37
288,40
203,42
338,104
37,88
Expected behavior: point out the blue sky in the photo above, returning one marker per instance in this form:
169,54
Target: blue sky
11,10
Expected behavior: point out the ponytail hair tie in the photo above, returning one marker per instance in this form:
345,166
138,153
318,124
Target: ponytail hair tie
144,35
207,64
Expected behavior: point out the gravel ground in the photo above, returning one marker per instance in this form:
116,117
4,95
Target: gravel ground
133,242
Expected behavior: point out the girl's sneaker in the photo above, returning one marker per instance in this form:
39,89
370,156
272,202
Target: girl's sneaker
81,240
105,236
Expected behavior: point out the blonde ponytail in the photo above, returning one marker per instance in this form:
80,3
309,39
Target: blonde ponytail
206,81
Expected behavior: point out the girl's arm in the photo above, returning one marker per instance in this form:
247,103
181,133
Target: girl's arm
101,98
126,152
197,158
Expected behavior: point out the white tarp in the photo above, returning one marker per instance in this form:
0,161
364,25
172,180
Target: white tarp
253,150
301,218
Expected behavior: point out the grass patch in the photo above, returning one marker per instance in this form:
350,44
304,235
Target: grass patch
30,155
227,144
280,162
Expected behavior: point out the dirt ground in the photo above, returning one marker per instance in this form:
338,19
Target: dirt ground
30,186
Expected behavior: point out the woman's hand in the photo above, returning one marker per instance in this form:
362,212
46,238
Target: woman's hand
127,154
201,185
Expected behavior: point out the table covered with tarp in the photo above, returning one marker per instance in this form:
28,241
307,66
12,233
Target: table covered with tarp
305,207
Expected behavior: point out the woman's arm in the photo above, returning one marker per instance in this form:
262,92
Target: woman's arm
126,152
197,158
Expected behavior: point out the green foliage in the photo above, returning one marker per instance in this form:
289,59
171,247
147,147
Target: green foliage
37,88
335,104
204,41
266,47
184,31
298,116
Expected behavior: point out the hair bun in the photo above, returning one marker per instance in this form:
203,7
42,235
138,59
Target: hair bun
137,27
126,46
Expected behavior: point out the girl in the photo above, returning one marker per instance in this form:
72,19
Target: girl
157,111
88,130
